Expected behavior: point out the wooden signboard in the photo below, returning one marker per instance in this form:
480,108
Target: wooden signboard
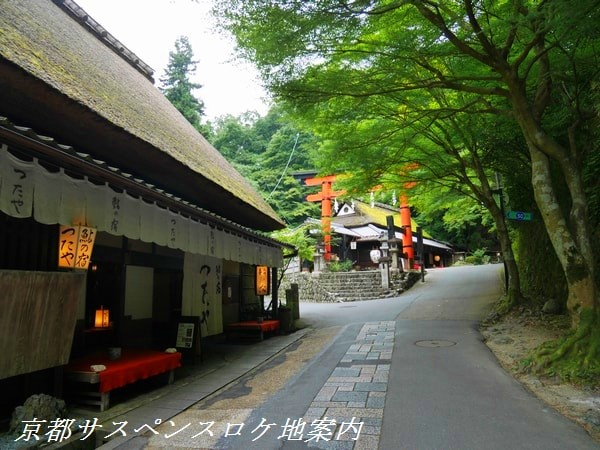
85,245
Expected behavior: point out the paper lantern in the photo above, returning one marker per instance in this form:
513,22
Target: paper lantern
102,318
75,245
262,281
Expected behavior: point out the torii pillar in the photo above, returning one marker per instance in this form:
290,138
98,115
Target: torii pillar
325,196
405,222
407,245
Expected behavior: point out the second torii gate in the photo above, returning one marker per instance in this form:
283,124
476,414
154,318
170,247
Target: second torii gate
407,244
325,196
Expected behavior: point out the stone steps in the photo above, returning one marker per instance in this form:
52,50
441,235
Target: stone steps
340,286
349,286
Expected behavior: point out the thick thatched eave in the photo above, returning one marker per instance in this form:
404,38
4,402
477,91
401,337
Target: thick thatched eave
59,78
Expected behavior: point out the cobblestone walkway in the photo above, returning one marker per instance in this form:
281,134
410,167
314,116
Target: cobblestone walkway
354,395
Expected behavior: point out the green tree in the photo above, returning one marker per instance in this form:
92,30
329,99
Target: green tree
450,216
300,238
446,157
236,139
177,85
287,152
267,150
535,62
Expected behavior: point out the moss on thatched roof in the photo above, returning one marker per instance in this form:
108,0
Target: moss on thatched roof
46,42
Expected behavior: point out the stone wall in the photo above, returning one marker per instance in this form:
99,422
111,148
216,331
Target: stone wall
328,287
308,287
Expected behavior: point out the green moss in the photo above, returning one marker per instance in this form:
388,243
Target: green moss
575,357
504,305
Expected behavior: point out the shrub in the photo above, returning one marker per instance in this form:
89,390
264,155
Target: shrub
472,259
340,266
478,257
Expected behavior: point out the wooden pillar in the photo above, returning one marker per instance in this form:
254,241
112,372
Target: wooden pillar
274,293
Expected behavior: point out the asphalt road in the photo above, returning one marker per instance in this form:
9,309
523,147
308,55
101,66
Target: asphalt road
414,369
457,396
466,292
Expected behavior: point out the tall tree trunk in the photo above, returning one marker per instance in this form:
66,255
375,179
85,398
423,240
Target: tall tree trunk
580,280
571,241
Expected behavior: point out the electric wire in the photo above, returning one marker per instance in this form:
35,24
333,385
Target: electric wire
286,166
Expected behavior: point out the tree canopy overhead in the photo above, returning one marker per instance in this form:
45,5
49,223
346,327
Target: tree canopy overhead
369,69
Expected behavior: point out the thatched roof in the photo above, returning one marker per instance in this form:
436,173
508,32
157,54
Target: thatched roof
59,77
377,215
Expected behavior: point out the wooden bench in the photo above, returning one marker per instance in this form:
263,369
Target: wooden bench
253,326
132,366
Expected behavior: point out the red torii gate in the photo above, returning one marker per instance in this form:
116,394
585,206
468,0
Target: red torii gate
325,196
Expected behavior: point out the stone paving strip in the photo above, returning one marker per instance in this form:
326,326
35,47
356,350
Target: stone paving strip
354,394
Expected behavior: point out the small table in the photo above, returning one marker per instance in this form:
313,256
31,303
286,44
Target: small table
132,366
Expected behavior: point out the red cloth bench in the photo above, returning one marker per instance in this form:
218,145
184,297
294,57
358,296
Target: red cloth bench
132,366
265,326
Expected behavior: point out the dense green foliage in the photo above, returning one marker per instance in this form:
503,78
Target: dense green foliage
267,151
300,238
462,222
446,94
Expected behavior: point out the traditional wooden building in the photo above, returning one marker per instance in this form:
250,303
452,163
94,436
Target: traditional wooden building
92,154
358,228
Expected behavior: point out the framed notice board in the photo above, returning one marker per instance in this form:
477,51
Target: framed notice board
187,339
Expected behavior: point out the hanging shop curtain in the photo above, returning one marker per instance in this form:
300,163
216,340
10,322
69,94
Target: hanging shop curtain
29,189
